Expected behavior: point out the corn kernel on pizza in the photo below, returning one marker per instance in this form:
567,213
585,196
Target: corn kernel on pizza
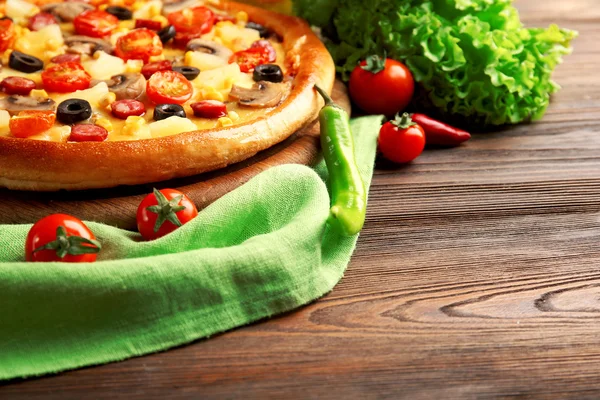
100,93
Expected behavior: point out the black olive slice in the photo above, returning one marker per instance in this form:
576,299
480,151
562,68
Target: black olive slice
24,62
190,73
167,33
122,13
73,110
268,72
263,31
164,111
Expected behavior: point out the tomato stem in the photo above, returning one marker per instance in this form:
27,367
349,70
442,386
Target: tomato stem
70,245
166,210
375,63
403,121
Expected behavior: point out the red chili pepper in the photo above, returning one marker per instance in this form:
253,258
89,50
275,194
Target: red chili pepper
440,134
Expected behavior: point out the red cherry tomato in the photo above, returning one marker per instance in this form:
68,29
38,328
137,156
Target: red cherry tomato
65,78
168,87
95,23
17,85
401,140
67,57
7,34
386,92
148,24
209,109
192,20
139,44
249,59
265,44
41,20
149,69
74,232
31,122
88,133
169,207
126,108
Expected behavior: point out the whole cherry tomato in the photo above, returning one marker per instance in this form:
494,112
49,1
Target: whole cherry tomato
41,20
169,87
95,23
31,122
7,34
194,20
65,78
139,44
401,140
249,59
381,87
164,211
61,237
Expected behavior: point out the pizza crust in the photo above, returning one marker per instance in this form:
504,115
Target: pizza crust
50,166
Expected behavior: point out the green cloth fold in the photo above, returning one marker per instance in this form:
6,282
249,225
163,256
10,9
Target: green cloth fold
261,250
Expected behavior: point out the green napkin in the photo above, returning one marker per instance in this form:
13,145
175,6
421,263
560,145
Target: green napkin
261,250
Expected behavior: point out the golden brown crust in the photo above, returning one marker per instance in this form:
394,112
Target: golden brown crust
47,166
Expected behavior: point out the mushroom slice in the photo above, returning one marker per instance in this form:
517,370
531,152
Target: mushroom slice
17,103
79,44
170,6
263,94
126,86
209,47
66,12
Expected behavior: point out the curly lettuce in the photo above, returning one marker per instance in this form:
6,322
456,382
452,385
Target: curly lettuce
473,59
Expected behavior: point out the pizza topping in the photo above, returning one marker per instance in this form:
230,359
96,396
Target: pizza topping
164,111
127,86
31,122
249,59
182,39
190,73
95,23
139,44
192,20
262,94
128,107
67,57
268,72
65,78
171,6
17,85
149,24
16,103
263,31
88,133
73,110
41,20
169,87
268,47
80,44
209,47
149,69
122,13
209,109
7,34
66,12
24,62
167,33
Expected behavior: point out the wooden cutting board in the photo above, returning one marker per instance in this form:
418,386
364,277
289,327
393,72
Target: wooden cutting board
117,206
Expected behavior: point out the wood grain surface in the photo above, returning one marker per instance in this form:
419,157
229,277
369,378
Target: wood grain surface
117,206
477,276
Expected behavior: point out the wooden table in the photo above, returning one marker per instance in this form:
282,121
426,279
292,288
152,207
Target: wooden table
477,275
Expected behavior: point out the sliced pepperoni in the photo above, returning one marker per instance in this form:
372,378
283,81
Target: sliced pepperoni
209,109
17,85
41,20
67,57
148,24
127,108
149,69
88,133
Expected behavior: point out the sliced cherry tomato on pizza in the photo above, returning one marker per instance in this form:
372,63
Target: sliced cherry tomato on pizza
139,44
66,78
88,133
192,20
268,47
31,122
148,24
95,23
61,237
128,107
17,85
209,109
249,59
168,87
161,212
41,20
7,34
67,57
149,69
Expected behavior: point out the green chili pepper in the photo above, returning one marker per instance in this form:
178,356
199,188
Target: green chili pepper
348,194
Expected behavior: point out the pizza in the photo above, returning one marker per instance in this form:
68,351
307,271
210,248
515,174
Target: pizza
103,93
